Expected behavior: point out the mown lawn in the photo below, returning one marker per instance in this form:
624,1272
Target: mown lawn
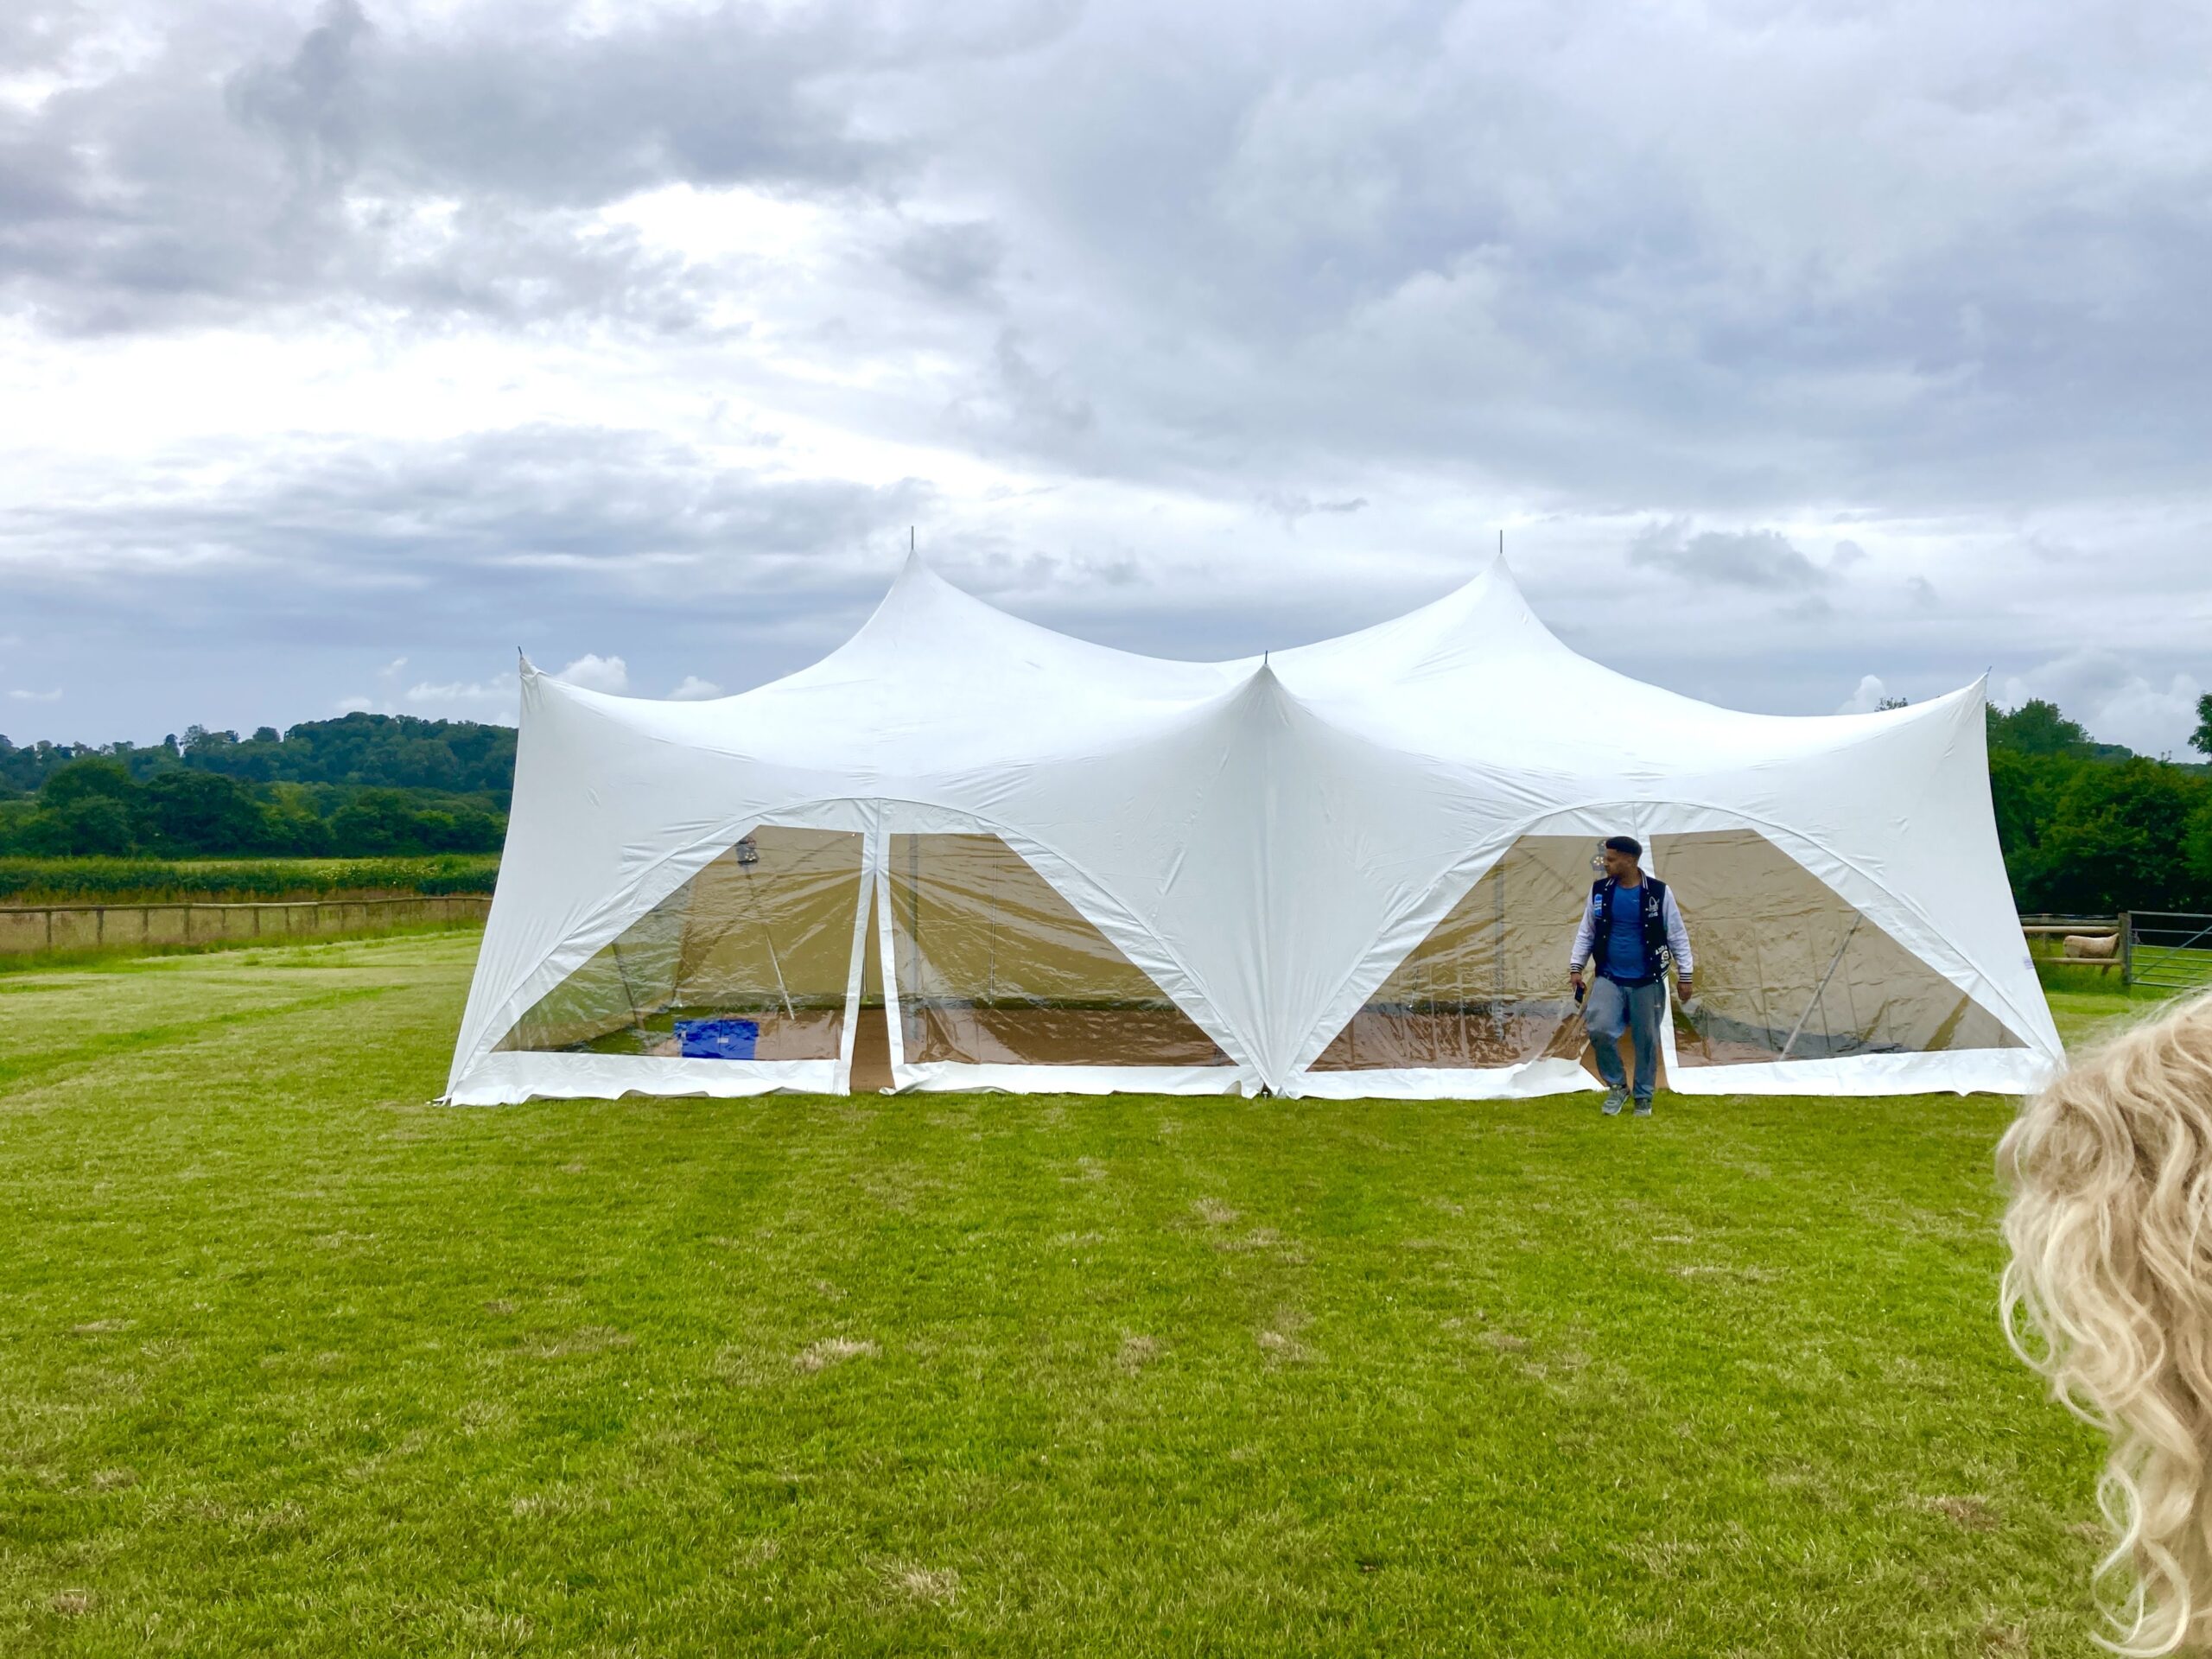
292,1361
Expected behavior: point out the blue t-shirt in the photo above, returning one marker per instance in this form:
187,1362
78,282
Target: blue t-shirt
1624,935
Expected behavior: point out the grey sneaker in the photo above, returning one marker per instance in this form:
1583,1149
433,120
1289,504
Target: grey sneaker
1615,1099
1643,1108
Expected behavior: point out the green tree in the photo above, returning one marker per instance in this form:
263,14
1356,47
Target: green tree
2201,739
290,824
2024,791
185,813
2119,839
2197,852
78,780
374,824
2037,728
89,826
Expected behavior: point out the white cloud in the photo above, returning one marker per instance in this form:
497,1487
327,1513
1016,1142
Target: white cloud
2113,700
53,696
1867,699
597,673
694,689
393,666
499,690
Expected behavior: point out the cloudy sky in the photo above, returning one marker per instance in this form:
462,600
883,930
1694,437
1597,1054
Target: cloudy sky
1804,353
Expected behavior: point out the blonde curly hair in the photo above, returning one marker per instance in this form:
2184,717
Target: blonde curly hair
2110,1225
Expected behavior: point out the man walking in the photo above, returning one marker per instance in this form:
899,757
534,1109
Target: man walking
1634,927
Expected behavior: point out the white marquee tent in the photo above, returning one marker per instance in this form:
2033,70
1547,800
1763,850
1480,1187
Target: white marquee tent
965,851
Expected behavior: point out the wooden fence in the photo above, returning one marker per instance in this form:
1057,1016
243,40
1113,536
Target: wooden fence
28,928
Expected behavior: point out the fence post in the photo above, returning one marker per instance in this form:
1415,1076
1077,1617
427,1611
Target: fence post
2127,949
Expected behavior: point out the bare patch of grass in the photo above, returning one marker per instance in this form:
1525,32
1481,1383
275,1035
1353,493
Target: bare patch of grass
1281,1342
1213,1213
939,1585
1973,1514
1260,1238
1136,1352
590,1339
831,1350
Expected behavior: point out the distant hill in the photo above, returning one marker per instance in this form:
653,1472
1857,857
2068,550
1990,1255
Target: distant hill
451,757
362,786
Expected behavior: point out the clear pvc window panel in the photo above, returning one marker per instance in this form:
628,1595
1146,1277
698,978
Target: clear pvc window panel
1789,969
1487,989
995,967
749,959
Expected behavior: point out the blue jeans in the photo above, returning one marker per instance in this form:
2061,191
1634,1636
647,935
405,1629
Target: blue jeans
1611,1008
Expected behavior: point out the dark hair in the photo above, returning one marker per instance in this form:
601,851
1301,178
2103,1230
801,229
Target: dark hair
1628,845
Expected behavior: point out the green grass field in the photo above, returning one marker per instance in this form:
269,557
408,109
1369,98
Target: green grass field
292,1361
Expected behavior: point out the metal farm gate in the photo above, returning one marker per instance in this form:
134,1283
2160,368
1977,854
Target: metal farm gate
2166,948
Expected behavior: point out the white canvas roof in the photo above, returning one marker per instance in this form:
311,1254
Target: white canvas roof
1267,838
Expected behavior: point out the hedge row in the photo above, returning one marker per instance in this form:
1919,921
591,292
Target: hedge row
117,880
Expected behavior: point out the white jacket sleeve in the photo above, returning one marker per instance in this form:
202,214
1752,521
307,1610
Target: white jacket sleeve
1585,938
1678,937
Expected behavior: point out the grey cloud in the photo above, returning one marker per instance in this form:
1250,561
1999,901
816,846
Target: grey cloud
1763,560
326,565
1291,505
39,34
1498,251
313,102
1393,239
957,259
1038,406
346,537
438,166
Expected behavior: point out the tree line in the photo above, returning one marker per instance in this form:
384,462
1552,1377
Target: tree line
363,786
2087,827
2091,829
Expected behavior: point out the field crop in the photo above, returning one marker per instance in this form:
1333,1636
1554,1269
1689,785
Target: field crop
136,880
